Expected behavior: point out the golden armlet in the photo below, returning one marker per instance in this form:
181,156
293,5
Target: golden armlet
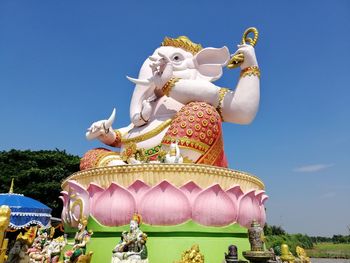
118,139
169,85
222,93
249,71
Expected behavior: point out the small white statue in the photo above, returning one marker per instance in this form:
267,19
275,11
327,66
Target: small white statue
132,246
174,155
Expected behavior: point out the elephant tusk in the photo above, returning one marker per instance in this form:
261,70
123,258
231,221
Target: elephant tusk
139,81
110,120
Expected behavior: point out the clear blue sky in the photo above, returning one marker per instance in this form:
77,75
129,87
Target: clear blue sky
63,65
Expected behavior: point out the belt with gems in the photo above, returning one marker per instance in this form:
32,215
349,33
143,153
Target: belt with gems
148,135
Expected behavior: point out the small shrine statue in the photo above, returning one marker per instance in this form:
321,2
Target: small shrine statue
231,256
174,155
192,255
52,251
302,255
82,237
286,255
42,240
132,246
18,253
256,236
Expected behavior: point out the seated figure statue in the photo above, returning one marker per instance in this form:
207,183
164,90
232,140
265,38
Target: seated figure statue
82,237
174,100
132,245
52,251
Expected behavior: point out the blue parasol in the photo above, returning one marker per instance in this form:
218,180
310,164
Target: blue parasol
25,210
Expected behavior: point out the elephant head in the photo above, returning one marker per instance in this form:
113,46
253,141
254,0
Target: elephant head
188,61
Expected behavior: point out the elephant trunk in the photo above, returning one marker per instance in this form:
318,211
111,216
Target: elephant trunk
144,89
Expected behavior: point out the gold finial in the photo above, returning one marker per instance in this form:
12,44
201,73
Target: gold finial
83,220
11,187
251,41
182,42
238,59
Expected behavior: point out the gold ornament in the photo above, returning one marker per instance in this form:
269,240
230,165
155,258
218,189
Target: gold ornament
302,255
83,220
286,255
169,85
238,59
182,42
249,71
192,255
137,218
177,174
222,93
149,134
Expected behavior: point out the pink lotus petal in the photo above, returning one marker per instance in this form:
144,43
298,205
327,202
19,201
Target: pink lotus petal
259,194
64,197
248,209
115,206
257,202
77,192
213,207
138,190
64,214
95,192
165,204
191,190
235,193
262,210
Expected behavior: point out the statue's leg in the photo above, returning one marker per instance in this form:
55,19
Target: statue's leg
99,157
198,129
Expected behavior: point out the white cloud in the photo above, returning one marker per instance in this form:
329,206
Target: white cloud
312,168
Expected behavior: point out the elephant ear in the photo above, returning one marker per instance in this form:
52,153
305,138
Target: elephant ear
209,62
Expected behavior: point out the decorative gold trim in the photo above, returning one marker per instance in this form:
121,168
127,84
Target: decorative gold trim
182,42
251,41
212,155
148,135
222,93
249,71
169,85
177,174
117,140
186,142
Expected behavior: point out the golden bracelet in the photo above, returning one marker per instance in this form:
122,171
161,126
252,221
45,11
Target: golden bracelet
169,85
249,71
222,93
118,139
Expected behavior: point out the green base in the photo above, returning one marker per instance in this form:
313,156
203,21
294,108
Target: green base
166,244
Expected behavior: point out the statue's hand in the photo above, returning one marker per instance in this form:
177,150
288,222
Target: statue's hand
101,129
249,55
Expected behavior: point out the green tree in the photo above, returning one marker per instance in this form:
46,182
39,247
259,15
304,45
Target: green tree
37,174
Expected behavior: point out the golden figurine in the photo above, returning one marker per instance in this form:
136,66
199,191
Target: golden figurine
192,255
5,213
286,255
302,255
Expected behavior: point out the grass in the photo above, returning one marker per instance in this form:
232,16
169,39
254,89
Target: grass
329,250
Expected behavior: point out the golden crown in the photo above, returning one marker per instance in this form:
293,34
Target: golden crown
83,221
182,42
137,218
